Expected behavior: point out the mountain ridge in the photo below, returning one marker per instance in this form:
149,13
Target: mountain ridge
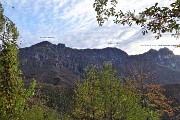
59,64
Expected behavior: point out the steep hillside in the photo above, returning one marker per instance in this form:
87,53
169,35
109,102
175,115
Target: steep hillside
58,64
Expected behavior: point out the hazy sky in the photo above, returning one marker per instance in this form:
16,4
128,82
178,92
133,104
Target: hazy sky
73,22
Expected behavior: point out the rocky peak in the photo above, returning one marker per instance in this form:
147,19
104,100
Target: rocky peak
162,53
60,45
152,51
166,52
42,44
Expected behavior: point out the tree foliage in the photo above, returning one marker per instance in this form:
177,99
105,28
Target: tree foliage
102,95
151,95
13,95
155,19
58,97
38,110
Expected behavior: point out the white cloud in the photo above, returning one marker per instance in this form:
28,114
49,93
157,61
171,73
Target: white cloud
73,22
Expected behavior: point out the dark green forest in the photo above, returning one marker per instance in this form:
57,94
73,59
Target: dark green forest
100,95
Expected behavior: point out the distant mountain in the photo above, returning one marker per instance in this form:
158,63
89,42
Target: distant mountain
58,64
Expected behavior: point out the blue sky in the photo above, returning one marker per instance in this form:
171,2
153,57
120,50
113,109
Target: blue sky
73,22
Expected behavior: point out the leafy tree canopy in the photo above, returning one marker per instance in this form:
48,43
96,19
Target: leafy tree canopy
103,96
155,19
13,95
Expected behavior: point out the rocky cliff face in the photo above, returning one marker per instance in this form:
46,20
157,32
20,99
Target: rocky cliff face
59,64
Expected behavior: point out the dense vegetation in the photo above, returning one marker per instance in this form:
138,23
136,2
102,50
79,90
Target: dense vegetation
12,91
14,95
101,94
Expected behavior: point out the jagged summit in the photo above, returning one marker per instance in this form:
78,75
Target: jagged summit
43,43
164,50
61,45
152,51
